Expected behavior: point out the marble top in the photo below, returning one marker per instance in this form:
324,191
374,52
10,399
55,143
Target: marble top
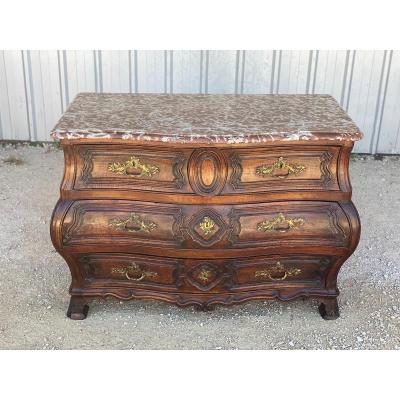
205,118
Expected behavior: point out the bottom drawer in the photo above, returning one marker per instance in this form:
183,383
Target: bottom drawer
289,270
116,269
108,270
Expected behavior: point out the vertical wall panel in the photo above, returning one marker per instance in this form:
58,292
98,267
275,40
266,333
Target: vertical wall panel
221,71
364,94
44,92
389,135
115,71
80,70
151,70
258,71
187,71
329,73
293,72
13,106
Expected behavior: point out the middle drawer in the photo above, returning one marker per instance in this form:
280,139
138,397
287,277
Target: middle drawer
153,228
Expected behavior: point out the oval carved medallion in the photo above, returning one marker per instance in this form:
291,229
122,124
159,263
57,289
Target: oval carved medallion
207,171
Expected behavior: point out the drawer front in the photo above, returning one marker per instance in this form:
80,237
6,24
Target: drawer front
207,171
293,270
289,223
113,223
129,270
253,273
152,227
129,167
283,169
202,276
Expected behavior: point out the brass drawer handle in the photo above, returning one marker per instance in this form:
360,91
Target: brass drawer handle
142,276
279,169
134,166
134,269
133,224
277,273
280,223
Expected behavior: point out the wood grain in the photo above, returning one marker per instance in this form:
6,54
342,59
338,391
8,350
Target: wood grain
177,251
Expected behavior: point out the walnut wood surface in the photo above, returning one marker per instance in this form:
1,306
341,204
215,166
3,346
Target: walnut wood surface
175,260
229,172
199,276
179,226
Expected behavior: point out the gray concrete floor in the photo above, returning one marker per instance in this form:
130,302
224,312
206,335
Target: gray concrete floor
34,280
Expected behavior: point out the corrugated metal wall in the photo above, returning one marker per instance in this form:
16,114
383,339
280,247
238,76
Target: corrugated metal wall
37,86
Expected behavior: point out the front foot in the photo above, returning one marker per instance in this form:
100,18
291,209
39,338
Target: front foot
78,308
329,309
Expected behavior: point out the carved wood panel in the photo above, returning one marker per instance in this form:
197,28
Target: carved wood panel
121,222
207,171
110,167
157,226
283,169
288,223
100,269
205,276
249,274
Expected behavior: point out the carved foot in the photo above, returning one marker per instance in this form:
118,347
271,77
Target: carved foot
329,309
204,307
78,308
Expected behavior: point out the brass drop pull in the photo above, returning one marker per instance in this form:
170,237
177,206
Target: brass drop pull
277,273
138,273
133,171
279,169
280,223
133,224
134,166
141,277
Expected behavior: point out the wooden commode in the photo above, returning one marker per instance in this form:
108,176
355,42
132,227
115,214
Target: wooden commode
205,199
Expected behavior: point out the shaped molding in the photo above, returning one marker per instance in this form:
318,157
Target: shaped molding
326,175
176,161
204,276
207,172
323,157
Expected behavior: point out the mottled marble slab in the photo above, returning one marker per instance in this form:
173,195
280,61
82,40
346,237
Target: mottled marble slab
200,118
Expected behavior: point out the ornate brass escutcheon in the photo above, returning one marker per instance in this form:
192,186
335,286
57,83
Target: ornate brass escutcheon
134,167
207,225
204,275
133,224
277,273
134,272
280,223
279,169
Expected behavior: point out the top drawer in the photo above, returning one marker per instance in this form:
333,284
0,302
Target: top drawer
207,171
128,167
283,169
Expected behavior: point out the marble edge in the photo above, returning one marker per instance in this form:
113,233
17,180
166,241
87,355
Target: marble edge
143,136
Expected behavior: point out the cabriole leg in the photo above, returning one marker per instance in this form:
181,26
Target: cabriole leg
329,308
78,307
